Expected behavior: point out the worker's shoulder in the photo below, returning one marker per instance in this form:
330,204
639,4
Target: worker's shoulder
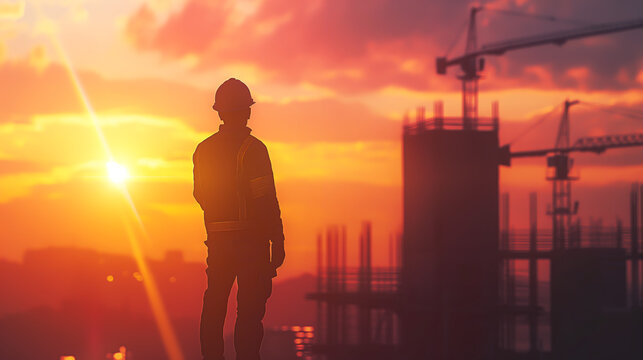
257,155
257,144
209,141
205,147
257,148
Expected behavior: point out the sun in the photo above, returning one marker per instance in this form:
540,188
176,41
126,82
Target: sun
117,173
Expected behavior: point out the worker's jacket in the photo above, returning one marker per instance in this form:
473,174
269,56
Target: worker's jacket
234,185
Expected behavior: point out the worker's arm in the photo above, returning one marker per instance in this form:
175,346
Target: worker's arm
264,196
263,193
198,180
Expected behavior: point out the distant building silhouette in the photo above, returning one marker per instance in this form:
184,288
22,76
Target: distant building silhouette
63,301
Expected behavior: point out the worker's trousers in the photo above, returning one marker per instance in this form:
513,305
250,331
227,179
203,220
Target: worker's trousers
230,257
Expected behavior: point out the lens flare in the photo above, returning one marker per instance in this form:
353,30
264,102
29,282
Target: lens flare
117,173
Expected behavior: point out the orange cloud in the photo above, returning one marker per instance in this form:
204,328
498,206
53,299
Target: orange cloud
580,75
324,119
140,27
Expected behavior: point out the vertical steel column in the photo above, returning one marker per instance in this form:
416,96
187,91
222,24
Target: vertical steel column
337,285
331,332
470,77
369,279
391,252
360,289
495,115
533,274
619,233
634,248
504,220
554,217
438,115
509,280
320,288
343,310
388,286
398,253
420,118
568,205
365,284
640,237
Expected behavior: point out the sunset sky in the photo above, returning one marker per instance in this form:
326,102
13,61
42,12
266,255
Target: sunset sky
83,81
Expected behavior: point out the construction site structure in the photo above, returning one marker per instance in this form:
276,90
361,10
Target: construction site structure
574,303
468,286
357,315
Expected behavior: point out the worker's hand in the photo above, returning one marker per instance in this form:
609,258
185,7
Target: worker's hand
278,254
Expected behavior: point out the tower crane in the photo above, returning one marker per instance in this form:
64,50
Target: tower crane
559,159
472,62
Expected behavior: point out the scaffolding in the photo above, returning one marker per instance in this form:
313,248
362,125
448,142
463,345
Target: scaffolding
529,327
356,306
465,284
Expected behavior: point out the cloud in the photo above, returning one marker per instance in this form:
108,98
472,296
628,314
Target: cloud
140,27
38,58
48,90
8,166
12,10
326,45
321,120
152,127
194,28
363,46
59,148
17,185
68,139
376,163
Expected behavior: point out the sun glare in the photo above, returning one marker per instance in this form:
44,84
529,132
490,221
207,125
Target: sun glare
117,173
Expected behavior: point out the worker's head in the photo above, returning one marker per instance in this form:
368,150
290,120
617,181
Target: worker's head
233,100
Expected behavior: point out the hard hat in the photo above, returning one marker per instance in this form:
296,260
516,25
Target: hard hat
232,95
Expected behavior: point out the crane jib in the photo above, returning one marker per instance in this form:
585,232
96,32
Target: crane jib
596,144
558,38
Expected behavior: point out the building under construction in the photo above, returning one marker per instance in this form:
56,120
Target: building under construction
468,287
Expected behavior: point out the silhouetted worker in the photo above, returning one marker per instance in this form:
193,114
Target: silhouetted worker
234,185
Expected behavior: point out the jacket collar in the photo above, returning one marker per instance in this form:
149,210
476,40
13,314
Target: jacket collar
226,129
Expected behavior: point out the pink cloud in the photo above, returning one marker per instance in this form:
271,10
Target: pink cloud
193,29
361,46
141,26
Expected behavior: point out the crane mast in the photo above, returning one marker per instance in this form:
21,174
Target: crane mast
561,211
470,76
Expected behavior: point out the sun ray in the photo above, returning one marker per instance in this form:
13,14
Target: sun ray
80,91
172,347
161,317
